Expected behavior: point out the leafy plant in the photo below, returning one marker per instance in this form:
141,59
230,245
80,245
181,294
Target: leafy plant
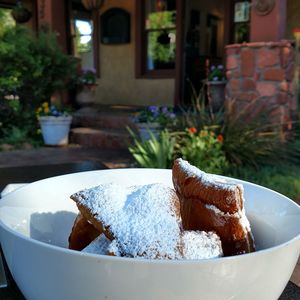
252,137
161,114
35,66
161,45
204,150
283,178
216,73
153,153
50,110
87,77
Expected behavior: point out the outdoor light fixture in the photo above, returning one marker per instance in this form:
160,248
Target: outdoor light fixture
92,4
263,7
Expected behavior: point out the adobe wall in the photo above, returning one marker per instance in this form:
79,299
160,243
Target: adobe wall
262,70
118,84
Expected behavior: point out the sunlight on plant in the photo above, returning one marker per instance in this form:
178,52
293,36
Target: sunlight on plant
204,150
153,153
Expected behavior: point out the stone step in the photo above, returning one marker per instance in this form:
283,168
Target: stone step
104,119
116,139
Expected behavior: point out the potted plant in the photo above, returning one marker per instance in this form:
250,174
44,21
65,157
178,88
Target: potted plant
86,88
216,82
153,119
20,13
54,123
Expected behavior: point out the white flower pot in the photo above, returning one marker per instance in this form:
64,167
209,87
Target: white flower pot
145,129
55,130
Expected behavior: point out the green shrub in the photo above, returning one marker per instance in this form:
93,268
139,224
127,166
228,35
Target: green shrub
154,153
204,150
33,67
283,178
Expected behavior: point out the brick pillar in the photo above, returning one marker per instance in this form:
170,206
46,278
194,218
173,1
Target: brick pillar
53,14
262,71
269,27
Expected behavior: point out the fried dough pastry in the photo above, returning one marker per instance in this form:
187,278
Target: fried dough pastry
82,234
211,204
144,221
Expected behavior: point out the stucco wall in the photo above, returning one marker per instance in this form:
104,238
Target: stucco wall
293,21
118,84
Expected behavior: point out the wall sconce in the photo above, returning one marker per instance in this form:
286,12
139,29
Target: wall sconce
92,4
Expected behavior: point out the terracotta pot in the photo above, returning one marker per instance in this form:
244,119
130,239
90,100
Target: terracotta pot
86,96
216,94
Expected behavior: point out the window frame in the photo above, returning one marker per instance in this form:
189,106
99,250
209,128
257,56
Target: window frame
94,17
141,47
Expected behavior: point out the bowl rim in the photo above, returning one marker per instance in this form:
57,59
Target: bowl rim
144,260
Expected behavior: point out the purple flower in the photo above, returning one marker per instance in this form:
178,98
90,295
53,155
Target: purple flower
220,67
155,114
172,115
212,67
164,110
87,70
153,109
215,78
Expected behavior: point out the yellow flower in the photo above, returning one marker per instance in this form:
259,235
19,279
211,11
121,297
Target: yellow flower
45,105
203,133
46,110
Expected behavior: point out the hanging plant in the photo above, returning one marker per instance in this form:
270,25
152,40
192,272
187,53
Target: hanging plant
20,13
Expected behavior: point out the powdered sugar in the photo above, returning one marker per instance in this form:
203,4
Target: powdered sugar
98,246
208,179
201,245
142,219
145,222
241,215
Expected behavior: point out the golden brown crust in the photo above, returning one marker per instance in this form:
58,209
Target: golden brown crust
191,186
88,215
82,234
196,201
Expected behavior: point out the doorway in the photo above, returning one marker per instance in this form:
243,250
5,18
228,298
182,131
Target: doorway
204,41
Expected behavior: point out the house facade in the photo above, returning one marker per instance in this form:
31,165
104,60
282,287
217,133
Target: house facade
150,52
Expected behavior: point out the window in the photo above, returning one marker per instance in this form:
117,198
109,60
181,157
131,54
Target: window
241,21
82,41
158,38
81,31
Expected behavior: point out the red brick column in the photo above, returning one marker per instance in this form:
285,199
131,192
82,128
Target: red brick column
53,14
262,71
270,26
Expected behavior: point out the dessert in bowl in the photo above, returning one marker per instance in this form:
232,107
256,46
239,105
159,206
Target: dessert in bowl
37,219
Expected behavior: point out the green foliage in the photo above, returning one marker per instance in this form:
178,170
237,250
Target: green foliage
87,77
216,73
17,125
283,178
6,20
164,50
162,115
253,137
203,150
33,67
154,153
18,136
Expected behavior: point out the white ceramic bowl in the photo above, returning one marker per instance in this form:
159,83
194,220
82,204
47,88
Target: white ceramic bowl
36,221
